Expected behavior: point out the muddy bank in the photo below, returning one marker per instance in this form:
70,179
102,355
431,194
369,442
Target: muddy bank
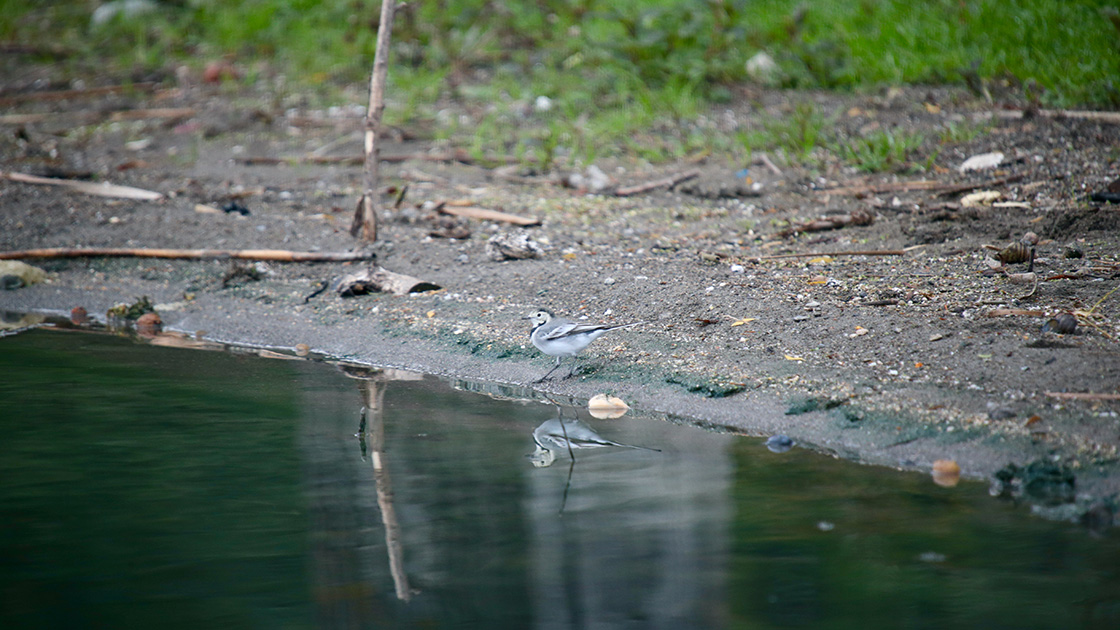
921,350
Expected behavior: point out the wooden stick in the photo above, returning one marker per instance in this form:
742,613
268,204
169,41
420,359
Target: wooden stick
90,188
1083,396
92,117
1105,117
486,214
1000,312
277,255
867,189
458,155
61,95
667,182
952,190
365,216
879,252
921,184
762,157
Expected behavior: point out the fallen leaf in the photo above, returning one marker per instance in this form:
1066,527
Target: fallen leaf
790,357
604,407
740,322
946,473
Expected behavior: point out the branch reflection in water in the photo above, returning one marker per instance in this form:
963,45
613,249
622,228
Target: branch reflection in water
371,437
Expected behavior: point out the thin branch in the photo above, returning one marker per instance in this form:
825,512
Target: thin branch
103,189
667,182
1082,396
61,95
276,255
365,217
88,117
486,214
879,252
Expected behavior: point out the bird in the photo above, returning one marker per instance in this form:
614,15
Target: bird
558,337
568,435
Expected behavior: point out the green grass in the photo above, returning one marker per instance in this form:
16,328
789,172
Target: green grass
624,77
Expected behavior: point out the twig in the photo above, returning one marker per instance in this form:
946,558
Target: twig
1105,117
365,218
487,214
1083,396
92,117
867,189
458,155
90,188
276,255
952,190
765,159
1000,312
880,252
61,95
667,182
921,184
831,222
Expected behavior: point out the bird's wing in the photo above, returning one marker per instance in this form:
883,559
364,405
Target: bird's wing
564,330
567,330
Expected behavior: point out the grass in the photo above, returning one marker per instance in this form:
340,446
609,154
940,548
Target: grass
623,77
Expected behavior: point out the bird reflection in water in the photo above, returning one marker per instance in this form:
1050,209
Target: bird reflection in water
571,435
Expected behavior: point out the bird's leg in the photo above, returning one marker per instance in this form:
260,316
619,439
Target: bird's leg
549,373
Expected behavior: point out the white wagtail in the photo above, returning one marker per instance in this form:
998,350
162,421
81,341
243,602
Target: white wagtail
558,337
568,435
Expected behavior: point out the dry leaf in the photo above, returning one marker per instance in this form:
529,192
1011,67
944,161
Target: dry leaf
740,322
605,407
946,473
790,357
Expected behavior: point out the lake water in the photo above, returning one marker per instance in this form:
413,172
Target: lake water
161,487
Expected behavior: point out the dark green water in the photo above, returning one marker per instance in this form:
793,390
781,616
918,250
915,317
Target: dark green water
168,488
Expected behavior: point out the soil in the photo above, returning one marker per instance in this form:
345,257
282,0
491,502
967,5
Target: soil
896,360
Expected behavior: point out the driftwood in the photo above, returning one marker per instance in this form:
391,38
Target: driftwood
667,182
381,279
88,117
1000,312
1058,114
89,188
61,95
485,214
857,217
275,255
365,217
921,184
458,155
1083,396
879,252
875,189
959,188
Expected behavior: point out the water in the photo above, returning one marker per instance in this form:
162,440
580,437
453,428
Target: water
172,488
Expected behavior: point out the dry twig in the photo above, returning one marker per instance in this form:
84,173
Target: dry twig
879,252
666,182
276,255
90,188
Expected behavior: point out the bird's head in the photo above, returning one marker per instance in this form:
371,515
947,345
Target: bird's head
539,317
